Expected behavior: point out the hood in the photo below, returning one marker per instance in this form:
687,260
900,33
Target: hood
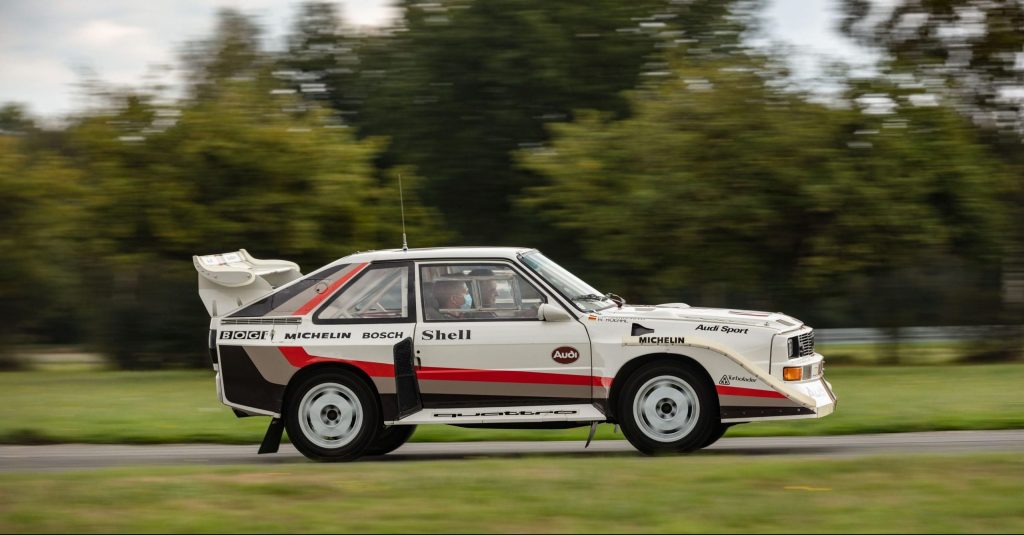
682,312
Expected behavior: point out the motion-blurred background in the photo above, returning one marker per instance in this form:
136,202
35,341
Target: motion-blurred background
856,164
664,150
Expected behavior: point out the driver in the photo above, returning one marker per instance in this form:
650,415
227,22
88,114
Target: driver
452,296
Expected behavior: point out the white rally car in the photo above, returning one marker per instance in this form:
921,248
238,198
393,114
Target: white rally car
353,356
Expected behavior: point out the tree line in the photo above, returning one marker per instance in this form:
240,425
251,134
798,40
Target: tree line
647,146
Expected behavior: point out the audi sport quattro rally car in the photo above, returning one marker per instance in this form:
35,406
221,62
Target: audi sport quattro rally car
353,356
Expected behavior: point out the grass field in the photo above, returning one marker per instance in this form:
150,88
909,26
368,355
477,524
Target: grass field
915,494
82,404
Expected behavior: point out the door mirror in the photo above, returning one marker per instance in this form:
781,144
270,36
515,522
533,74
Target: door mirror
549,312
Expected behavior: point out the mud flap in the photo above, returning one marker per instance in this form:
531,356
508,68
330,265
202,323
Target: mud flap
272,440
593,429
406,385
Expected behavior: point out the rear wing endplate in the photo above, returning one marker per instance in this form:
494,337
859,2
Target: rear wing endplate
230,280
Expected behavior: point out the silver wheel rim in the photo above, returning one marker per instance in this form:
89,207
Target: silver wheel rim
330,415
666,408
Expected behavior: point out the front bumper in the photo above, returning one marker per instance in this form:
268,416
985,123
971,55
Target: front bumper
814,386
820,391
811,397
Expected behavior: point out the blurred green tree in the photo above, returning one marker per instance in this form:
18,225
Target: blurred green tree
234,52
641,144
230,168
965,54
15,120
39,215
460,85
965,51
229,173
322,60
726,191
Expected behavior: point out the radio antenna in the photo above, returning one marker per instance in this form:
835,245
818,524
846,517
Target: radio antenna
401,200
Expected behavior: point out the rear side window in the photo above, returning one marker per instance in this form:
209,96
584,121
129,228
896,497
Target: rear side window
299,298
379,294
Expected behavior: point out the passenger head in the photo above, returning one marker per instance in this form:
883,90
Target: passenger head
488,287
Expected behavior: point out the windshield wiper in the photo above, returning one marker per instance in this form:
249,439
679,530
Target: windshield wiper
589,297
606,297
618,300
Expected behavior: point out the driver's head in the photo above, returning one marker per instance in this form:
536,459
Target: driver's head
450,294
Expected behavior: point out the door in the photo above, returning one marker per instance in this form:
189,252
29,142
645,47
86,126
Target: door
479,342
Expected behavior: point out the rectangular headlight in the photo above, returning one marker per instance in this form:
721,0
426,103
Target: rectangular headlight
792,348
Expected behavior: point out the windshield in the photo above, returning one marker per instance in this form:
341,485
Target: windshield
582,295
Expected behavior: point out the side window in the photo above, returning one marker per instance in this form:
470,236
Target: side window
467,292
380,293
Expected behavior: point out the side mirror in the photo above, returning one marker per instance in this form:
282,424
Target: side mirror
549,312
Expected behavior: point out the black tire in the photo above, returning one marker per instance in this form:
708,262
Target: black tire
719,431
390,439
688,416
345,433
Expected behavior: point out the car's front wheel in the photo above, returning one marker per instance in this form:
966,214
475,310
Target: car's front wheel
390,439
667,407
332,416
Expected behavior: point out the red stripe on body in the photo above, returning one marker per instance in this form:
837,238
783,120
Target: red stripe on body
748,392
319,298
298,357
506,376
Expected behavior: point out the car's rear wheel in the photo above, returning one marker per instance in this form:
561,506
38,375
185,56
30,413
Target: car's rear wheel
332,416
390,439
667,407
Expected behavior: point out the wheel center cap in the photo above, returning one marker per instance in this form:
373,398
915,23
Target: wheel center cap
330,415
666,408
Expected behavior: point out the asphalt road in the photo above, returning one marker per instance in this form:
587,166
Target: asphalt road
85,456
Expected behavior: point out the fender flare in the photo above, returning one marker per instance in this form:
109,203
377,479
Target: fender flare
796,397
679,352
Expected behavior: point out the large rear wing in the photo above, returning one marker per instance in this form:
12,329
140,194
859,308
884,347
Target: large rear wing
231,280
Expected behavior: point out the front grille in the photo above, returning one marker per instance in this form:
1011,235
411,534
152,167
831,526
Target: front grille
806,344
